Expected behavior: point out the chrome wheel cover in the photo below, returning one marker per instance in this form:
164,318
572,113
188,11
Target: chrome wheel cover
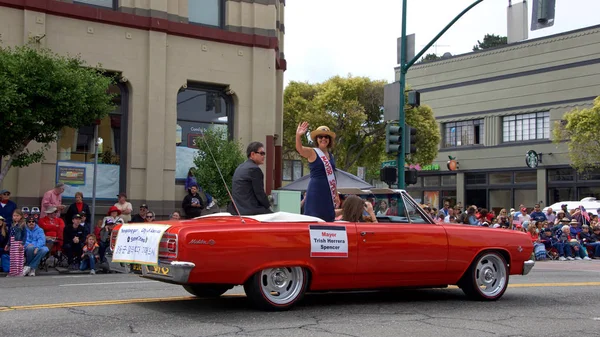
281,285
490,275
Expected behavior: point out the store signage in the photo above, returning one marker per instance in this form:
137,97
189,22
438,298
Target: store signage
532,159
432,167
452,164
192,140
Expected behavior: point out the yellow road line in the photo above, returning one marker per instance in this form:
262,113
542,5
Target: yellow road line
191,298
106,302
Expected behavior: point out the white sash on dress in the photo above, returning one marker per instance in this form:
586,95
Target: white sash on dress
330,175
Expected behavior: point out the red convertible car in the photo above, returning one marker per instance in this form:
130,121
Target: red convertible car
281,256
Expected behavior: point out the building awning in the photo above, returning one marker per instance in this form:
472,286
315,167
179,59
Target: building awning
345,181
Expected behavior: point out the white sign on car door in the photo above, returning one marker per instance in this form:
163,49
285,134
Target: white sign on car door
138,243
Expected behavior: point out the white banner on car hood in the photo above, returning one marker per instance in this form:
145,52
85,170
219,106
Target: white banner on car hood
139,243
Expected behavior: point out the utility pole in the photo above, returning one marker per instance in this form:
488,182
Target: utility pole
404,66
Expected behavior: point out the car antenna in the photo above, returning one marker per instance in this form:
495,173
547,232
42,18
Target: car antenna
221,174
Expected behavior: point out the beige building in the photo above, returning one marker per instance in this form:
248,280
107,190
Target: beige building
184,65
495,106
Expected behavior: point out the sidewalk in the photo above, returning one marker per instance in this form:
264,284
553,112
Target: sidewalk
113,268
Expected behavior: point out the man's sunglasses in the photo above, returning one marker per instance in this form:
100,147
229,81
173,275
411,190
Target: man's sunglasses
262,153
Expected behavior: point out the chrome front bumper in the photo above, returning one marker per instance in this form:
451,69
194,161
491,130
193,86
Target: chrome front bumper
174,272
527,266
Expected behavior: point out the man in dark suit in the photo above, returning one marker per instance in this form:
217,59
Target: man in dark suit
248,184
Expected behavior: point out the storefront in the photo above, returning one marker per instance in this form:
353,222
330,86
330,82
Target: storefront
434,187
566,184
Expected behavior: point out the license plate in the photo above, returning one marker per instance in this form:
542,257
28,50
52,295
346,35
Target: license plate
158,270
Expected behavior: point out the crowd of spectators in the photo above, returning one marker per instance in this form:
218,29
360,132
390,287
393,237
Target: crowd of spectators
566,234
32,236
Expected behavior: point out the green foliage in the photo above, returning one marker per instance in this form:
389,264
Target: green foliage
41,93
580,129
353,108
429,57
490,41
428,135
227,153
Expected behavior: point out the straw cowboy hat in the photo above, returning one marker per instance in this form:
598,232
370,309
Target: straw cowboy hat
322,130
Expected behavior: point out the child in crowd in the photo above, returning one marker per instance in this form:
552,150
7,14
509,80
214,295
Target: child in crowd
107,228
18,235
90,254
539,249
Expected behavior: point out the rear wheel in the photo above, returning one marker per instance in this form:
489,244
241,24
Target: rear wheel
487,277
206,290
277,289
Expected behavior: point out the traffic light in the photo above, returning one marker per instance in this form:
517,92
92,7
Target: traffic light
393,137
542,15
414,98
410,140
410,177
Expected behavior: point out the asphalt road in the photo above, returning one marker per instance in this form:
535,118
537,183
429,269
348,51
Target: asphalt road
556,299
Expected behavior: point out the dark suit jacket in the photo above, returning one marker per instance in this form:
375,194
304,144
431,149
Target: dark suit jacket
248,190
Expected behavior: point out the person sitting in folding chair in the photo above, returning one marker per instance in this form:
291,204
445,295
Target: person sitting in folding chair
74,239
35,248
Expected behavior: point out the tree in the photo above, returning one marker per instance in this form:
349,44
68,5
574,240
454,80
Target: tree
353,108
228,155
490,41
429,57
580,128
42,93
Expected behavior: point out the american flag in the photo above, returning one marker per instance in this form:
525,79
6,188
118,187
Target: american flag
585,214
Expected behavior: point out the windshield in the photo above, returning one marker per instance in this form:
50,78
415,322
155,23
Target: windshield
394,207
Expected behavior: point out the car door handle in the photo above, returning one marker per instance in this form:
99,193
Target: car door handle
365,233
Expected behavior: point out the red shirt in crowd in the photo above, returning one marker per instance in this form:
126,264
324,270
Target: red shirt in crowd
53,228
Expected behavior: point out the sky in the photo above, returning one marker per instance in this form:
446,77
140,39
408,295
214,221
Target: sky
325,38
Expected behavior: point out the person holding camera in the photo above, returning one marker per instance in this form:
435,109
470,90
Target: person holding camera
354,210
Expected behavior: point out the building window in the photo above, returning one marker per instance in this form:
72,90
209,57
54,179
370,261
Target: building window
500,199
526,177
501,178
431,181
449,180
555,175
76,149
559,194
112,4
593,174
463,133
530,126
292,170
475,178
206,12
198,109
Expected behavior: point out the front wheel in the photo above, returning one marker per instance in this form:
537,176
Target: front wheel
277,289
487,277
204,290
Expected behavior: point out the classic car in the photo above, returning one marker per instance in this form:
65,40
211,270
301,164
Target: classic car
281,256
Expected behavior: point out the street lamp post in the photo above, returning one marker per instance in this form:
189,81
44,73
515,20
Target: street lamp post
97,142
404,66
